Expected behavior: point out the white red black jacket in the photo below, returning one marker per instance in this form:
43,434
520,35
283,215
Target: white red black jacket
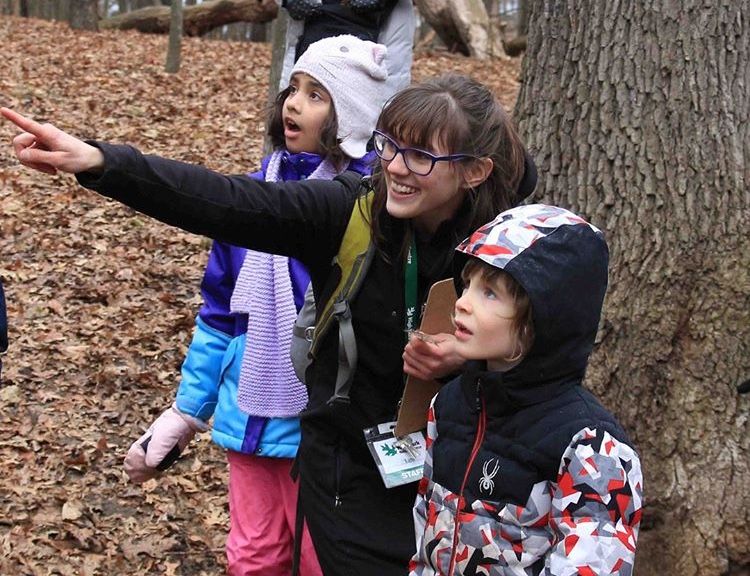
526,472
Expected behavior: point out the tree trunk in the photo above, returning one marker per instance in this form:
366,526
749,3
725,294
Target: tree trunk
175,37
437,15
83,15
197,19
523,17
463,26
473,26
278,48
638,114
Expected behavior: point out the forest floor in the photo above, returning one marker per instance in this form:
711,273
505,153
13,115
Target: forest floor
102,300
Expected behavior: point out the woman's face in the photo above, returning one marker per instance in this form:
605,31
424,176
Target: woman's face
426,200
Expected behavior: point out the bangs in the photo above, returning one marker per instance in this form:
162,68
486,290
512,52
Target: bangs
418,114
490,274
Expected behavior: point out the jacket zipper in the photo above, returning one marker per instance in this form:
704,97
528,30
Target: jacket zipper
478,439
337,485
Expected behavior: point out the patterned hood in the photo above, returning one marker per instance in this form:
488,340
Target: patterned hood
561,261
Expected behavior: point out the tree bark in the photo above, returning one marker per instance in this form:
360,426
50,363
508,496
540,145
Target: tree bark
638,115
83,15
197,19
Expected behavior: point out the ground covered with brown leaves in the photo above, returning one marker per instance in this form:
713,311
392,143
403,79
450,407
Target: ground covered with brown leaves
102,301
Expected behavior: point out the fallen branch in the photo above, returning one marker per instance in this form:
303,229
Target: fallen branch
198,19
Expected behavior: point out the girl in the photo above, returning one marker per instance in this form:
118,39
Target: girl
450,159
526,473
251,297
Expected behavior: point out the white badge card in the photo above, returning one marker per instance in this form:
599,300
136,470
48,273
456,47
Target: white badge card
399,460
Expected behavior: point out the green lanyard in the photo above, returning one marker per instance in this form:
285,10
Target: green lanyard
410,289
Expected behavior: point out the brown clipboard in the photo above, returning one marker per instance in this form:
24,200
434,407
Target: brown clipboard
436,318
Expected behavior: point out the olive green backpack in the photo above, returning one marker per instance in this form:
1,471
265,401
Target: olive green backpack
353,259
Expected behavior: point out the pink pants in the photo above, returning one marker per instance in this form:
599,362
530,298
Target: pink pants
262,510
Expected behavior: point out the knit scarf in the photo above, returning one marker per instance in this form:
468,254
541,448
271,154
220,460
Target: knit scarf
268,386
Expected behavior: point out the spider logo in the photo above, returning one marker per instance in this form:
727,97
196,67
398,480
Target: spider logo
486,483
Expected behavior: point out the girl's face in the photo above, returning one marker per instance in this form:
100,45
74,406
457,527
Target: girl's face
484,323
304,112
427,200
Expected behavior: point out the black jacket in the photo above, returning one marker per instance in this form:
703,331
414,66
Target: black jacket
358,526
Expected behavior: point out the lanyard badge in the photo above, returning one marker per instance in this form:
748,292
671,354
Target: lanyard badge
400,460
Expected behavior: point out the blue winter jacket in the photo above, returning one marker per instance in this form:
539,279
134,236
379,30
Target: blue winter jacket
210,372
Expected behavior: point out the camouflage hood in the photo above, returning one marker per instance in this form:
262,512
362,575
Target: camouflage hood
561,261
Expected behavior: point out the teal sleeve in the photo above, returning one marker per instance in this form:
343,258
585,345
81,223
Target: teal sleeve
201,371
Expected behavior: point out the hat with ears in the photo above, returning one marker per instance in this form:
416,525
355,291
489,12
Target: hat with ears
354,73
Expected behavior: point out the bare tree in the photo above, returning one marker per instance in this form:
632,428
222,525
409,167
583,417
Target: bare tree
175,37
637,114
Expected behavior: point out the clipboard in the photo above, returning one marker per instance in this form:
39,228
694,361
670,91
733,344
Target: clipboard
436,318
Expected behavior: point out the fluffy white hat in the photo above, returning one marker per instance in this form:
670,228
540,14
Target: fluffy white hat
354,73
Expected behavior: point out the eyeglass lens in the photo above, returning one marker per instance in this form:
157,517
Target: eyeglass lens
416,161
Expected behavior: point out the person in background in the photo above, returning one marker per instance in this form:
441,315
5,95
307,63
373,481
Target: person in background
319,128
526,473
388,22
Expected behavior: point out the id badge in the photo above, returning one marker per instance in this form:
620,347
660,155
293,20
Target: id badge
399,460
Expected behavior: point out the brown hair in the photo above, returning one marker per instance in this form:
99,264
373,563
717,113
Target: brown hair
467,119
329,143
522,325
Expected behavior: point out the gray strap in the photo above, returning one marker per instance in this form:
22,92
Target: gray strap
347,353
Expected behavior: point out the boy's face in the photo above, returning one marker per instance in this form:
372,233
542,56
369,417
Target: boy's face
484,321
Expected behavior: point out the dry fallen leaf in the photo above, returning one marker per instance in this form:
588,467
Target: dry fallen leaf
72,510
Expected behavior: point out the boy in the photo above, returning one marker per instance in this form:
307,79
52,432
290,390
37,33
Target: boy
526,473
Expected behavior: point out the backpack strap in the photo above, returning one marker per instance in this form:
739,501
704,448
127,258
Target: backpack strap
353,259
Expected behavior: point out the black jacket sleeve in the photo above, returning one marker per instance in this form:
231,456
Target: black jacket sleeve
305,220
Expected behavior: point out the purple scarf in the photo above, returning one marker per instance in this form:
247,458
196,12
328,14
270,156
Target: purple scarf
268,386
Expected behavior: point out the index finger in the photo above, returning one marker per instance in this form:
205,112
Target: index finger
21,121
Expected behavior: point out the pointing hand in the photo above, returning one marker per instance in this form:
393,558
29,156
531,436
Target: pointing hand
48,149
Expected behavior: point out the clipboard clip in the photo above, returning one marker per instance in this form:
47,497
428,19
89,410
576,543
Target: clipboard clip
407,445
424,337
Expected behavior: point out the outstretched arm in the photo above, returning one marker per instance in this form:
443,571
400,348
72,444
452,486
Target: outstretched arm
48,149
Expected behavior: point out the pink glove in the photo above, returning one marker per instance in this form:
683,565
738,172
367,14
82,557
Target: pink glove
161,445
